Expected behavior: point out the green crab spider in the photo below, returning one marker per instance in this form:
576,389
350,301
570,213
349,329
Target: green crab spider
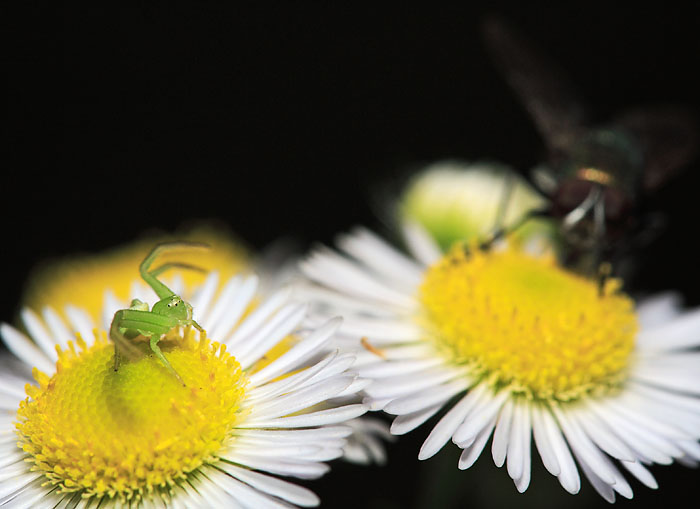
169,312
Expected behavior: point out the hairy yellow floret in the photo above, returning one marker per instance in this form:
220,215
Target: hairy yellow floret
131,433
525,323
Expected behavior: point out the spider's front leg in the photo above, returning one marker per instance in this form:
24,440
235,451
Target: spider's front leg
129,323
150,276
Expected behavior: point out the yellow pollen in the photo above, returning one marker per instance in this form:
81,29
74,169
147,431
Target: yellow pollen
132,433
525,323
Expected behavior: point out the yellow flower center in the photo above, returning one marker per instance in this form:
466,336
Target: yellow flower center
131,433
525,323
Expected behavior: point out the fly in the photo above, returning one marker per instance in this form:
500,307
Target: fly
595,176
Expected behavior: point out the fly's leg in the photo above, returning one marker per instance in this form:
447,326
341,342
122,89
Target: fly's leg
574,218
500,219
499,229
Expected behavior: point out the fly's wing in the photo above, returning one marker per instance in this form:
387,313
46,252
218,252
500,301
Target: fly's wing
550,99
669,136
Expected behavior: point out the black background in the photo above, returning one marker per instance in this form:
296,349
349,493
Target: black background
293,120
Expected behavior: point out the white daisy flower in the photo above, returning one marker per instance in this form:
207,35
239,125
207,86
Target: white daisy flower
85,435
515,348
80,281
366,444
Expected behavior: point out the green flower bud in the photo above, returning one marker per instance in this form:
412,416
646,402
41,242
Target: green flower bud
459,201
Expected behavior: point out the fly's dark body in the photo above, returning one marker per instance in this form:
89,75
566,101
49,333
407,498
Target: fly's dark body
596,177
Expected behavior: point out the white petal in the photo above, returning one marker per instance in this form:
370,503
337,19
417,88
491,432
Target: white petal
523,481
272,389
81,322
425,398
603,437
644,443
17,483
341,364
203,296
619,484
640,472
236,307
499,446
13,390
297,354
277,487
273,444
687,461
319,418
13,470
689,447
204,488
480,416
139,290
420,244
668,398
25,350
373,447
603,488
335,271
259,315
26,492
412,351
223,300
297,435
39,334
683,332
658,310
252,498
339,303
518,452
358,385
58,329
402,424
642,419
110,306
582,446
385,369
544,445
16,456
670,409
472,453
449,423
376,254
403,384
296,451
280,326
287,466
380,331
301,399
568,475
670,379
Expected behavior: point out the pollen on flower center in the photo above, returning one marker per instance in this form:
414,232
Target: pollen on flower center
525,323
134,432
